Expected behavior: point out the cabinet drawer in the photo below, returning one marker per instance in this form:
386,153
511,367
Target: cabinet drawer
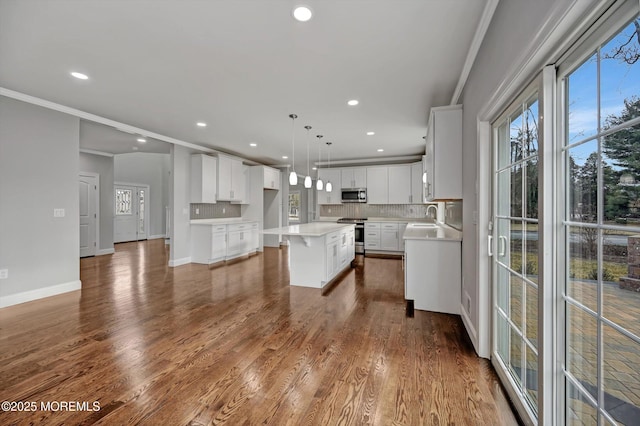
372,244
240,227
332,237
393,226
370,235
218,229
372,226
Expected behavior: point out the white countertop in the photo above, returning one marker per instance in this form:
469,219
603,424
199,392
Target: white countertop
439,232
398,220
220,221
313,229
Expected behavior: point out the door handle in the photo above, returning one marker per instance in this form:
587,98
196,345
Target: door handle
503,245
490,245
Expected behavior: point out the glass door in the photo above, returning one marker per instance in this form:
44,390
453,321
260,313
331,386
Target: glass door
515,260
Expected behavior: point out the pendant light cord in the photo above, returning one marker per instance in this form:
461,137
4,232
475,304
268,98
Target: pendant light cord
293,139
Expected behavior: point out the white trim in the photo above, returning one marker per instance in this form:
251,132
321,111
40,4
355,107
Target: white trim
156,237
468,325
377,160
97,119
179,262
40,293
513,395
94,152
103,252
476,42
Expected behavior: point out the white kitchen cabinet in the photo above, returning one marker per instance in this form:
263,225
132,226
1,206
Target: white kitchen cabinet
203,179
231,179
371,236
443,154
378,185
271,178
354,177
389,237
399,184
335,196
401,228
240,239
208,243
433,274
417,186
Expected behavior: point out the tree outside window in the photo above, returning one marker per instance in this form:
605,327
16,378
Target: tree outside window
294,206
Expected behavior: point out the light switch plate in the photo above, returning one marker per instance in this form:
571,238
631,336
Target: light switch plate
58,212
4,274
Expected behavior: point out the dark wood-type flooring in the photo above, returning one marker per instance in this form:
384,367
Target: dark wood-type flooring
191,345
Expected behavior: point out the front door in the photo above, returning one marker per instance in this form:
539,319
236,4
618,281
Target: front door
88,188
131,216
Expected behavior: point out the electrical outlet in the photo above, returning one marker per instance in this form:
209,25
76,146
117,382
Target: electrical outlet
4,274
197,211
224,210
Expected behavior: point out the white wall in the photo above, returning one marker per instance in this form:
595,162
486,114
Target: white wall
515,31
38,173
149,169
103,166
179,194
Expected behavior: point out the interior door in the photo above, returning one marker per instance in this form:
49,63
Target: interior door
131,213
88,188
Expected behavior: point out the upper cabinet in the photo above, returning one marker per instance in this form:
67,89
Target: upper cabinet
203,179
231,179
271,178
416,183
443,154
400,184
378,185
335,196
353,177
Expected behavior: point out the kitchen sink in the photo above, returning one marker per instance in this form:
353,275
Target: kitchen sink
423,225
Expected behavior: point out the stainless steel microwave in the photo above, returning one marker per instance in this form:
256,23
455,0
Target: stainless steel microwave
354,195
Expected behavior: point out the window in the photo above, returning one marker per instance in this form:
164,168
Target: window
294,206
601,232
123,201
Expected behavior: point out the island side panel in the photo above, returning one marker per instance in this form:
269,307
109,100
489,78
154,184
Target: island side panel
307,262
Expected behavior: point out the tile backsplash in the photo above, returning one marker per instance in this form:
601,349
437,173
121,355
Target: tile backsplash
453,214
410,211
221,209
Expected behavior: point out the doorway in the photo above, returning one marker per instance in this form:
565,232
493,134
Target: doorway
131,216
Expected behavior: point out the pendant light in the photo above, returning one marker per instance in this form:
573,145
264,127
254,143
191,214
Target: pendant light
329,186
319,184
293,177
307,180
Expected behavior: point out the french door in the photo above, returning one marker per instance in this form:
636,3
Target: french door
131,213
515,232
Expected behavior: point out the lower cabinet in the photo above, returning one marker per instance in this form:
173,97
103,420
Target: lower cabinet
340,251
215,243
384,237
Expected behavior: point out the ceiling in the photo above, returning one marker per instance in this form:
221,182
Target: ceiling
244,66
105,139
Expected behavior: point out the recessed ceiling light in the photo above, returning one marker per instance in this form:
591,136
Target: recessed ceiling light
302,13
79,75
285,157
201,124
142,140
314,168
353,102
253,144
371,133
380,150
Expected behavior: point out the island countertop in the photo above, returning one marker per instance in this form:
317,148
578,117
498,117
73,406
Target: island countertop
423,231
313,229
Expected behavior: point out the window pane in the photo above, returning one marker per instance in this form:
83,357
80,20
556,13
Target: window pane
531,188
621,376
504,189
502,336
531,128
583,182
503,147
516,138
620,76
515,301
579,411
582,101
123,201
531,378
515,361
582,349
503,285
621,172
530,264
583,265
532,315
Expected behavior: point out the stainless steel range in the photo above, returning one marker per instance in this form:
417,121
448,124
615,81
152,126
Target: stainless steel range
359,235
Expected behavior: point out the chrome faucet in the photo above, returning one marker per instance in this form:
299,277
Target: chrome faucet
435,214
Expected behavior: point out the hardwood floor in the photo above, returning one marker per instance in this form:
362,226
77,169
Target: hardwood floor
192,345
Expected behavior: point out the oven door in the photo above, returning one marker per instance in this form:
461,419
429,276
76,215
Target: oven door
359,239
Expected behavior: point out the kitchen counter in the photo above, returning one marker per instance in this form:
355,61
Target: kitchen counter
313,229
318,251
426,231
220,221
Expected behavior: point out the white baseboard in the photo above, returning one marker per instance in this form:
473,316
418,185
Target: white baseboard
40,293
156,237
179,262
473,334
102,252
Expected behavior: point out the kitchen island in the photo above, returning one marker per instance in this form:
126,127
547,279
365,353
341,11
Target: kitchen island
318,251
